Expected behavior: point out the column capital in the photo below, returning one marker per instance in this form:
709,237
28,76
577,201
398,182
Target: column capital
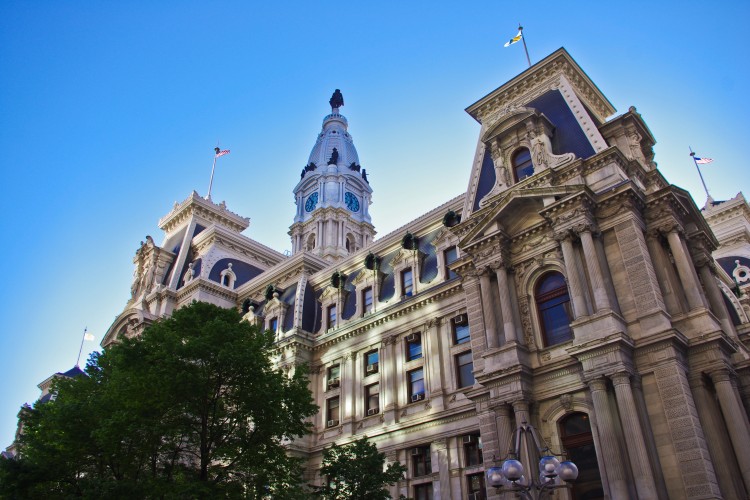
501,409
720,375
520,405
585,227
562,235
391,339
620,378
597,384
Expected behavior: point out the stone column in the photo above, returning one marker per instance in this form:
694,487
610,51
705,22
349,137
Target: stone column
635,442
504,428
735,421
685,269
716,299
613,459
527,450
490,323
574,277
433,364
440,458
660,268
509,327
347,386
601,299
389,384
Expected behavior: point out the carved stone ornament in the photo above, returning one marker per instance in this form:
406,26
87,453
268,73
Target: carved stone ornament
741,273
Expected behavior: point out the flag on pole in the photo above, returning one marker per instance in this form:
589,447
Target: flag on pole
702,161
514,39
89,337
220,152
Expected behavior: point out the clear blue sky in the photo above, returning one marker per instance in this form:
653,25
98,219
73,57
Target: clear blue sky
109,112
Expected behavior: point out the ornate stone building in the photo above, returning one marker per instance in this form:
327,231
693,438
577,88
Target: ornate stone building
571,287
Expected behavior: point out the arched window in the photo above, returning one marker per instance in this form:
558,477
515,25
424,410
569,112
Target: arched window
553,304
578,443
311,242
522,166
350,247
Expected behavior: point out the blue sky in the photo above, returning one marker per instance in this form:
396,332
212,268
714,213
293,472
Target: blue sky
109,112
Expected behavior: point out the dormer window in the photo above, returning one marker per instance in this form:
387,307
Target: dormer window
522,166
227,277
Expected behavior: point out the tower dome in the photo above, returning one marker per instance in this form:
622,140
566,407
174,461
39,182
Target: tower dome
333,195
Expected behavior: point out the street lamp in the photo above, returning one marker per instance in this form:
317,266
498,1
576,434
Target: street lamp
510,476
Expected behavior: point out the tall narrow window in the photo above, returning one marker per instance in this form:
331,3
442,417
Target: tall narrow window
575,431
461,333
475,486
407,283
333,376
553,304
273,324
372,399
450,255
371,362
416,385
413,347
332,316
522,166
465,369
472,449
423,491
332,410
421,463
367,300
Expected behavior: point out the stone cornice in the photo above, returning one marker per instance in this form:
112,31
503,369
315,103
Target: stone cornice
237,243
541,77
195,205
389,313
282,275
208,286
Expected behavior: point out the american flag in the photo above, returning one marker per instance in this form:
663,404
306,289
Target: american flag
221,152
702,161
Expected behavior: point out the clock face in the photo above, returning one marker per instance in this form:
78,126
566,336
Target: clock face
352,203
312,202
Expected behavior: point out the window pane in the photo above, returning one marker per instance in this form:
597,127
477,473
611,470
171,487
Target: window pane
371,358
461,334
333,372
416,381
414,349
333,408
465,367
367,300
451,254
372,395
553,304
522,165
331,316
408,284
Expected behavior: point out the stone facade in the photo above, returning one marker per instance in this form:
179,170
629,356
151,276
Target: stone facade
652,354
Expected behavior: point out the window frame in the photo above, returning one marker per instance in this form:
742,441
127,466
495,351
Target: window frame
371,397
330,407
330,378
404,292
367,360
454,332
365,309
413,381
460,382
549,302
423,459
332,315
449,275
521,167
408,344
473,448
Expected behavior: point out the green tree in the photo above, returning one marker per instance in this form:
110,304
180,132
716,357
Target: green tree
193,408
357,471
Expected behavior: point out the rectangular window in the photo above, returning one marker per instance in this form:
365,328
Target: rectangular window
372,399
464,369
367,300
421,463
333,375
460,329
423,491
371,362
273,324
332,412
450,255
472,449
332,316
416,385
407,283
413,347
475,486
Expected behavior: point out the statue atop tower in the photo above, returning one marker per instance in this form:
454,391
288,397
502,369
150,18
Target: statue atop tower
336,101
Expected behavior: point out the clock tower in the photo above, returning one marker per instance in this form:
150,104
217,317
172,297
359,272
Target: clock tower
333,195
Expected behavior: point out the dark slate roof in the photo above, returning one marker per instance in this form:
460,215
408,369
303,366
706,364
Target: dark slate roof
73,372
310,316
568,136
486,178
728,263
244,271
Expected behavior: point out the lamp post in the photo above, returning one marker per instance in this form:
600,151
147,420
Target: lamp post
510,476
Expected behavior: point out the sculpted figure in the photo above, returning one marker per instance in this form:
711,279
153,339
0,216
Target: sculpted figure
337,99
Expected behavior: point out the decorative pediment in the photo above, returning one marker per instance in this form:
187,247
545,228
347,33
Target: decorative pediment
329,293
405,257
444,238
366,276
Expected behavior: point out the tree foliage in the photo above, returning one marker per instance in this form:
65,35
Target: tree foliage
193,408
357,470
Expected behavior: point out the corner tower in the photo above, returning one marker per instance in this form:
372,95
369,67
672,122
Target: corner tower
333,195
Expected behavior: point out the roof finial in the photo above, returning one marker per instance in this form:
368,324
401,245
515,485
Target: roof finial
336,101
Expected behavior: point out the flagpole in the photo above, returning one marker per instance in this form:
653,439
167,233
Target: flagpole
526,49
692,155
211,182
83,338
